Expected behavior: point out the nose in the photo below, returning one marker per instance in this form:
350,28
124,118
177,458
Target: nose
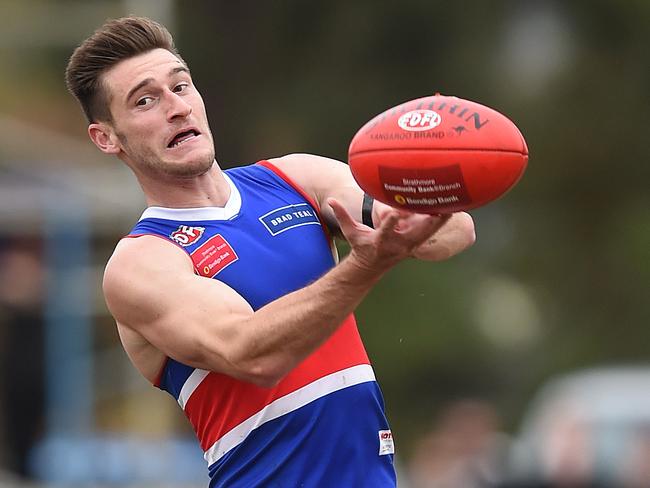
177,106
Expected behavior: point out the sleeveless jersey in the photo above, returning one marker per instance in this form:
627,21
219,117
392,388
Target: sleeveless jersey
323,425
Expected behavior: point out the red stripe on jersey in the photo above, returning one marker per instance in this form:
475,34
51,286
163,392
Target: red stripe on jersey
283,175
221,402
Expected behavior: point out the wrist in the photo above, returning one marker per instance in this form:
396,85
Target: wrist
366,211
363,270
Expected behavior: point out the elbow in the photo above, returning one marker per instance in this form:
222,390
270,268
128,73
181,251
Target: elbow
265,380
244,356
262,372
263,376
265,372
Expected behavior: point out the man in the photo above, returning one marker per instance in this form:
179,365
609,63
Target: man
253,334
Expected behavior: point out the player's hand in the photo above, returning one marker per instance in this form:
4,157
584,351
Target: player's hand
456,235
397,237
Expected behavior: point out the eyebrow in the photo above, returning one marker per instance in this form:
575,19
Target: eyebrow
146,81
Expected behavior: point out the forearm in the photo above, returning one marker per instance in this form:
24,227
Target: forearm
284,332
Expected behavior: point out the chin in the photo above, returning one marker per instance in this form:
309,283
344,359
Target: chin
192,164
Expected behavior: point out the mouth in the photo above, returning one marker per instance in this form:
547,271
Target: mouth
182,137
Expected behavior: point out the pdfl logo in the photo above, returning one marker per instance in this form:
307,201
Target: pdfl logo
186,235
419,120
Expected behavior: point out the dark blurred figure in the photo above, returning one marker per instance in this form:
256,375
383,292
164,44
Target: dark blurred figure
464,449
21,351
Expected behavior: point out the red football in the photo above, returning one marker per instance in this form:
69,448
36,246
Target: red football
438,154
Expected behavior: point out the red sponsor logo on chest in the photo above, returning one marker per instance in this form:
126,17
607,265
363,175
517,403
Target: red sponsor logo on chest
213,256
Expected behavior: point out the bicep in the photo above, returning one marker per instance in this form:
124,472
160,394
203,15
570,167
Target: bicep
187,317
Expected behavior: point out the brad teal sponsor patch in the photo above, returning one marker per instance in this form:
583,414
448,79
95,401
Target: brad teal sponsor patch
288,217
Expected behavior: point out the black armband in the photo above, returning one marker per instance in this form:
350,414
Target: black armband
366,210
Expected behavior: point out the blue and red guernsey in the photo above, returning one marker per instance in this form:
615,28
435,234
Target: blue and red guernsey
323,425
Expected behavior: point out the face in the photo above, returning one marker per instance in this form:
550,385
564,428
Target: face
159,125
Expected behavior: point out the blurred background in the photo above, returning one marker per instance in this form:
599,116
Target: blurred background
523,362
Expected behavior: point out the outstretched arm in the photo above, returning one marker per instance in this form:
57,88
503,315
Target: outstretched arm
204,323
325,178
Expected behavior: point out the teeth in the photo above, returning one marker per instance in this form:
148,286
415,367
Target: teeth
184,139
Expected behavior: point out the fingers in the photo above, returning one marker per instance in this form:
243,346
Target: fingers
454,236
345,220
439,222
419,227
389,223
352,230
408,227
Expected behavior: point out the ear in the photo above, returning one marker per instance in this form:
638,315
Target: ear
104,138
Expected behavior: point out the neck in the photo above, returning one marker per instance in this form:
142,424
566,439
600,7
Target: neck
207,190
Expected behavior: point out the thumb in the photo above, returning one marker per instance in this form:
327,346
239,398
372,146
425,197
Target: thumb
346,223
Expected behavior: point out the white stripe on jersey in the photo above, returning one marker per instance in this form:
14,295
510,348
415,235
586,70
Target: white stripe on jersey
229,211
191,384
293,401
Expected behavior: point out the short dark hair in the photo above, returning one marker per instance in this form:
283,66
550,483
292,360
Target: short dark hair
115,41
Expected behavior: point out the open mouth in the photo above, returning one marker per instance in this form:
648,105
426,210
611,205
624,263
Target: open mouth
183,137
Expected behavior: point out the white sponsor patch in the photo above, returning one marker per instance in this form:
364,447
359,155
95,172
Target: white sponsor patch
288,217
386,445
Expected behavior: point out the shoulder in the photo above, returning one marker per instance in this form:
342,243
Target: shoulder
145,250
137,262
317,175
297,164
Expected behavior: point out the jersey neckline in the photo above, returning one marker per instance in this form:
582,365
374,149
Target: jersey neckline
229,211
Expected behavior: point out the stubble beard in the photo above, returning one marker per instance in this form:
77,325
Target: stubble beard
147,161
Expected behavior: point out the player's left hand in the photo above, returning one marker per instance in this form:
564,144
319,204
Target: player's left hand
455,235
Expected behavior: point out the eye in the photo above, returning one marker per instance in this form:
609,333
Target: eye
180,87
144,101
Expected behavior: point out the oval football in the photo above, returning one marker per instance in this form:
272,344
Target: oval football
438,154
